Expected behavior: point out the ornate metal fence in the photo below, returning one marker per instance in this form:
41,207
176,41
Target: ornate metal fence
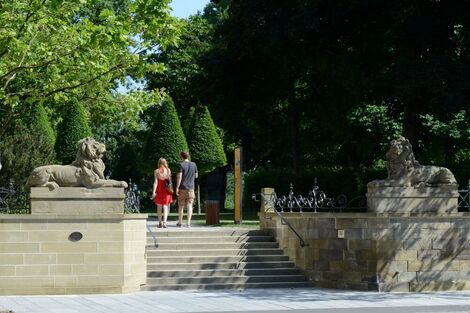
132,200
464,199
13,200
317,201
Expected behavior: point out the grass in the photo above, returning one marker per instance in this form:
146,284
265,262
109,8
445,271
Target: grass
250,220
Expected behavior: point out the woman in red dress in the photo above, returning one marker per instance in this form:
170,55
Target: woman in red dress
161,197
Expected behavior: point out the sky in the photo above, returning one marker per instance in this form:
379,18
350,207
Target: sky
185,8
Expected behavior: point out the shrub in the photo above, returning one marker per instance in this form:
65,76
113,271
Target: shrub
28,144
334,182
73,127
165,138
205,145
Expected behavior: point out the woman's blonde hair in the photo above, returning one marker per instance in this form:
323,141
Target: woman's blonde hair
162,162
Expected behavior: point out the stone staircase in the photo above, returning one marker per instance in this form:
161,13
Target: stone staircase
218,259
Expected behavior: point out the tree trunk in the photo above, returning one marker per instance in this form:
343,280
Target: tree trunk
411,123
294,134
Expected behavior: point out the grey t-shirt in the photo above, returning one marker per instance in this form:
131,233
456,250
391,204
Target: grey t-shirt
188,172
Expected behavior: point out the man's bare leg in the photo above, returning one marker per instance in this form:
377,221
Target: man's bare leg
190,212
180,214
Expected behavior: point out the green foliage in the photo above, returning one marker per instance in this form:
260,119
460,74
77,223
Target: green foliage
205,145
73,127
375,127
38,121
29,143
183,75
53,50
165,138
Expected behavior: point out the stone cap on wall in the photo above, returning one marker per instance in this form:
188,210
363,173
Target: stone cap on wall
77,200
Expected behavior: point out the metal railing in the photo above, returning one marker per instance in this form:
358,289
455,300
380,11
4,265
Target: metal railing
316,200
271,203
464,198
13,200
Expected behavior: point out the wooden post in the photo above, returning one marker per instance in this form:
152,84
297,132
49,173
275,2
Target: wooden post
238,182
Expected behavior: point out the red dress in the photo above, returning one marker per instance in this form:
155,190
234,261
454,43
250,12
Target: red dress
163,197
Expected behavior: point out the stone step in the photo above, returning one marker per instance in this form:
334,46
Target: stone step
224,279
159,233
219,265
213,252
227,286
215,259
211,246
223,272
211,239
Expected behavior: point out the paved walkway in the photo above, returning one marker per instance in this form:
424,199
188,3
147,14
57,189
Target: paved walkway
254,300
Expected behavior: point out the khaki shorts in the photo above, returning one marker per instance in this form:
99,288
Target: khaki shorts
185,196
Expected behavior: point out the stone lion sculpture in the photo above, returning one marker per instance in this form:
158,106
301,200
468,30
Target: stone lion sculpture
404,171
86,171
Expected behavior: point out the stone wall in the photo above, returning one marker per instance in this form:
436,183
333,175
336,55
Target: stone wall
38,255
364,251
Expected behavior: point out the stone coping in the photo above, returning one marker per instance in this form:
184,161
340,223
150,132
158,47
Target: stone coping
28,217
369,215
413,192
77,193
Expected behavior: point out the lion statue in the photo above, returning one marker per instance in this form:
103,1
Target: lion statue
404,171
86,171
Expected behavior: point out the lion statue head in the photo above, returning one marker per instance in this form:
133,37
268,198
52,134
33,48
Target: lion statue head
400,158
89,154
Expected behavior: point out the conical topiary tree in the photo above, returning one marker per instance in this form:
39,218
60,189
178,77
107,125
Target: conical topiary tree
39,123
29,143
205,145
165,139
73,127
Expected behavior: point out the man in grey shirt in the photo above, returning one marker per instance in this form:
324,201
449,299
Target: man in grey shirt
185,177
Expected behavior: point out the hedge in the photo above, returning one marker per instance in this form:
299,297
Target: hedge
334,182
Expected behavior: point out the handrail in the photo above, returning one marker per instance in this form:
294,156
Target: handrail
284,221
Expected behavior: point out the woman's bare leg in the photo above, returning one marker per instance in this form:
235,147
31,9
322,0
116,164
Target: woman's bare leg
165,214
159,214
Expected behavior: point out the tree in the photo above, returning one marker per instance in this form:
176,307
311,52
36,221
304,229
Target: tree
53,50
73,127
28,143
205,145
165,138
183,75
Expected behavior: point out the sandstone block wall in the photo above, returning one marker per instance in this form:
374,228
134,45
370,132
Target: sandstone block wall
364,251
38,257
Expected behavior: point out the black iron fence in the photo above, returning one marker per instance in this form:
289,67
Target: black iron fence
464,199
13,200
317,201
132,200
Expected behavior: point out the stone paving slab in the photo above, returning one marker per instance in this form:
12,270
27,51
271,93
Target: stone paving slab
254,300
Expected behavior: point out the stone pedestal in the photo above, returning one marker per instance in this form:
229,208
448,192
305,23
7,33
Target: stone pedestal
413,200
76,240
77,201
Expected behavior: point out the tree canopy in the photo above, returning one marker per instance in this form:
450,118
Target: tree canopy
53,50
